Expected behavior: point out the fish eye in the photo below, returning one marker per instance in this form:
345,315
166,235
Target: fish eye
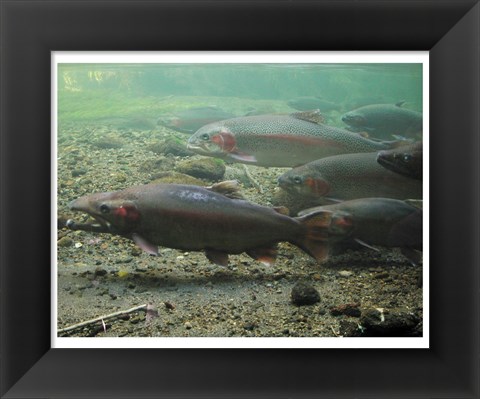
407,157
297,179
205,137
104,208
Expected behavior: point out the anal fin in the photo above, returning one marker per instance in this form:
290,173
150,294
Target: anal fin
266,255
217,257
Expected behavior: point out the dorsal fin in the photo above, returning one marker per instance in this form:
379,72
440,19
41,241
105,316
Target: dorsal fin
400,103
313,116
228,188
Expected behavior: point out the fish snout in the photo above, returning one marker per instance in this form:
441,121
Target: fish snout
78,204
285,181
347,117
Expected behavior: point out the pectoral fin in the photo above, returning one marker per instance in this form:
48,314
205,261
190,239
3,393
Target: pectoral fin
363,243
243,157
148,247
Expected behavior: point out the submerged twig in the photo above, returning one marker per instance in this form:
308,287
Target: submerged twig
102,318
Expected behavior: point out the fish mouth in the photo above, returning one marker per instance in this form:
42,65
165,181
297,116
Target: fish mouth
353,120
383,160
192,146
203,148
80,205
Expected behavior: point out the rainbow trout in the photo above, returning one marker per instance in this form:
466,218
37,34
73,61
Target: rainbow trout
349,176
278,140
375,221
192,218
408,160
385,120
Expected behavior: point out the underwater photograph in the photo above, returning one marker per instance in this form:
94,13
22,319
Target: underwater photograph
239,199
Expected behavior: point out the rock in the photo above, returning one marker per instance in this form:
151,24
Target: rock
119,177
177,178
78,172
204,168
188,325
250,326
65,242
107,142
100,272
304,294
157,166
171,145
345,273
397,322
347,309
383,275
349,329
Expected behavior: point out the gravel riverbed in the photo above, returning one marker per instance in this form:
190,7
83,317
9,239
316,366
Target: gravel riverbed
361,293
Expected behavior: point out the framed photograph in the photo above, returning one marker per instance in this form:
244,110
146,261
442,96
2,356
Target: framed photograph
240,211
219,277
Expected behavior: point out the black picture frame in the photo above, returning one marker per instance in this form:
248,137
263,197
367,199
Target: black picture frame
30,30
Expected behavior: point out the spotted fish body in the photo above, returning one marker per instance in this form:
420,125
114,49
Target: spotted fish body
192,218
349,176
277,140
385,120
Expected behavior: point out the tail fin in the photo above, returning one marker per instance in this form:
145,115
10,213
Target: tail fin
321,227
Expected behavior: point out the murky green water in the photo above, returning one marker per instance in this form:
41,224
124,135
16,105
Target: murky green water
92,91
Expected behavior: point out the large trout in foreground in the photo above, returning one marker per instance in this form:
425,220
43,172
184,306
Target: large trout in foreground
192,218
278,140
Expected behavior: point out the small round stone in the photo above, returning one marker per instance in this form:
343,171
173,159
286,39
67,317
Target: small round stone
304,294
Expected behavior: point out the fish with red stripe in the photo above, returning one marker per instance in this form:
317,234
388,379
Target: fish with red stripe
278,140
192,218
348,176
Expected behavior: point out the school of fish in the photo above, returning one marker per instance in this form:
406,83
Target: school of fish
361,179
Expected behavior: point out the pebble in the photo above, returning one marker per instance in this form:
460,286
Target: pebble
304,294
100,272
204,168
65,242
78,245
188,325
345,273
78,172
397,322
347,309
